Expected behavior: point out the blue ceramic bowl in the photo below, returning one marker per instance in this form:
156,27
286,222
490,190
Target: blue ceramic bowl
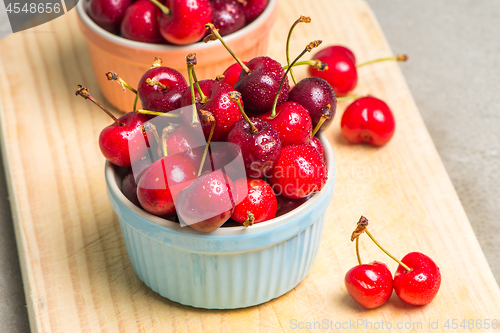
230,267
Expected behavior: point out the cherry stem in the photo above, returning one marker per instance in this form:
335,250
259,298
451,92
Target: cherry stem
235,96
214,36
357,251
114,77
250,219
325,115
318,64
154,82
164,9
158,114
191,61
209,118
308,48
156,63
149,127
135,102
386,252
399,57
194,119
84,92
304,19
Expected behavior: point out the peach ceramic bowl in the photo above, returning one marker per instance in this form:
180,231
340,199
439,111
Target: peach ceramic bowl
131,59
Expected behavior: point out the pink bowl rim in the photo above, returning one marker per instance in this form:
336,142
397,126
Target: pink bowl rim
85,18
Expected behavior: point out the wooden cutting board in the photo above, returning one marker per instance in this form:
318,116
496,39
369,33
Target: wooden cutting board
76,271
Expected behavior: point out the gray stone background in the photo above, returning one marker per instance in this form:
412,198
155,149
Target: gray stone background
453,75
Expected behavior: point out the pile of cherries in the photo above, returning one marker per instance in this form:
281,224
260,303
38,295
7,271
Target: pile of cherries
416,281
209,153
178,22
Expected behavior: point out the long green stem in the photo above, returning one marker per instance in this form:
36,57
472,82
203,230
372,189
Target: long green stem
135,102
236,97
308,48
399,57
159,114
318,64
114,77
357,251
209,117
304,19
214,36
385,251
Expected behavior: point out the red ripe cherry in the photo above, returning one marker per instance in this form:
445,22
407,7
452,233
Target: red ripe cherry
257,197
232,74
129,188
160,184
420,285
124,144
228,16
253,8
315,94
160,89
292,122
218,103
183,22
260,148
299,172
208,202
260,86
370,285
108,14
140,22
184,141
369,120
317,144
341,74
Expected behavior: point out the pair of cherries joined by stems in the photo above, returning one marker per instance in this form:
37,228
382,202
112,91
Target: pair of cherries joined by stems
416,281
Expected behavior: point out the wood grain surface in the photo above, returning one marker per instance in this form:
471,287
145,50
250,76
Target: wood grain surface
76,271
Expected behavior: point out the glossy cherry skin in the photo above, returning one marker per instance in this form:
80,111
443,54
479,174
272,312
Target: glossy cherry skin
260,150
314,94
228,16
292,122
420,285
140,22
253,8
286,205
108,14
160,184
208,202
341,74
317,144
299,172
259,87
368,120
184,141
258,198
186,22
370,285
219,104
232,74
124,145
155,98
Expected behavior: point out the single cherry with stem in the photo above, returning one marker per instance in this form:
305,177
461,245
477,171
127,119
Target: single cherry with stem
259,142
210,200
258,202
342,71
183,22
140,23
122,143
368,120
160,88
370,285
